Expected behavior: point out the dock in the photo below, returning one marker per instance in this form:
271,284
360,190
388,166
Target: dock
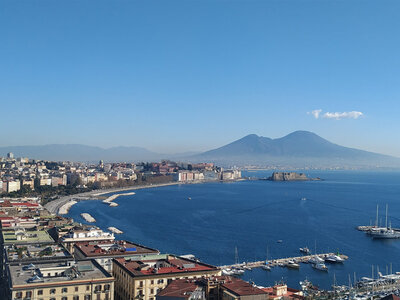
88,217
281,261
115,230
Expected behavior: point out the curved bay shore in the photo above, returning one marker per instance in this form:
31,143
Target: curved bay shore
65,203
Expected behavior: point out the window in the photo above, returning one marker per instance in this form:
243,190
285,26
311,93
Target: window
64,290
151,291
52,298
64,298
88,287
18,295
40,292
98,297
152,281
52,291
87,297
76,288
75,298
141,283
28,294
106,287
97,288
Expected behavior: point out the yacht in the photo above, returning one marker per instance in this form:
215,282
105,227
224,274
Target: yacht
334,259
315,260
320,266
305,250
266,267
292,265
383,232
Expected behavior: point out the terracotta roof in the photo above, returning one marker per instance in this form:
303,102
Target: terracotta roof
174,265
181,288
241,287
125,248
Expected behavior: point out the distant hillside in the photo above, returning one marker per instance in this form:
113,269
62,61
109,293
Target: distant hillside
82,153
300,148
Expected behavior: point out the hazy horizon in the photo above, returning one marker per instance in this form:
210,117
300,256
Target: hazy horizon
179,76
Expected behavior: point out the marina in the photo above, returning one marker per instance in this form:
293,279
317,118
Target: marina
286,261
272,212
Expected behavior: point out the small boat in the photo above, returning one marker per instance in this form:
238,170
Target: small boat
189,198
305,250
227,272
334,259
315,260
320,266
266,267
279,241
304,199
237,271
292,265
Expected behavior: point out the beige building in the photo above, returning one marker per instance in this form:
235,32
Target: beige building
142,278
84,280
92,234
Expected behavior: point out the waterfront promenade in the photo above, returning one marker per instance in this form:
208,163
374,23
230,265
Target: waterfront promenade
55,205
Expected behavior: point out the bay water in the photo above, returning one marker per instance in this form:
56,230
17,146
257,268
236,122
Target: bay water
210,220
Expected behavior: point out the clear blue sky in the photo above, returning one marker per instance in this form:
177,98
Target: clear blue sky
176,76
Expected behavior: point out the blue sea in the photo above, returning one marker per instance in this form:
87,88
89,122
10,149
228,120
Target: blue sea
254,215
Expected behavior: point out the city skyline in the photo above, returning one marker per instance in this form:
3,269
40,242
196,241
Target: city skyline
192,76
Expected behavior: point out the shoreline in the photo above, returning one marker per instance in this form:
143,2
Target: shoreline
66,202
55,206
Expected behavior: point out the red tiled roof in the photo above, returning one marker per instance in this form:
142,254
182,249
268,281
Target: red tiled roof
181,288
92,249
241,287
139,268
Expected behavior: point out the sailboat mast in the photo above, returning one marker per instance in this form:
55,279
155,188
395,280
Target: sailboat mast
386,217
377,215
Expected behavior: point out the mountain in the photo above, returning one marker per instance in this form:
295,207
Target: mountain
300,148
82,153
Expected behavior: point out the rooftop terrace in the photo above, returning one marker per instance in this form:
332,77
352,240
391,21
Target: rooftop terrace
20,236
55,272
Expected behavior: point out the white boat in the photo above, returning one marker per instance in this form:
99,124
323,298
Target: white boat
237,271
305,250
266,267
292,265
227,272
304,198
320,266
334,259
315,260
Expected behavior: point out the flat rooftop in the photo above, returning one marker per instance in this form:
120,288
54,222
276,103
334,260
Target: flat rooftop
113,248
26,237
36,252
169,264
55,272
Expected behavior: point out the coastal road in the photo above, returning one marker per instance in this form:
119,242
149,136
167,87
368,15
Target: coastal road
54,206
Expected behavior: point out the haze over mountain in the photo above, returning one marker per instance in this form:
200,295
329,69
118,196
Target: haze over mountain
297,149
300,148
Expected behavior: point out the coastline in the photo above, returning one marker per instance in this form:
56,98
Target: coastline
66,202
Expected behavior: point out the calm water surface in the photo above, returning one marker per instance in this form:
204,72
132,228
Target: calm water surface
254,215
